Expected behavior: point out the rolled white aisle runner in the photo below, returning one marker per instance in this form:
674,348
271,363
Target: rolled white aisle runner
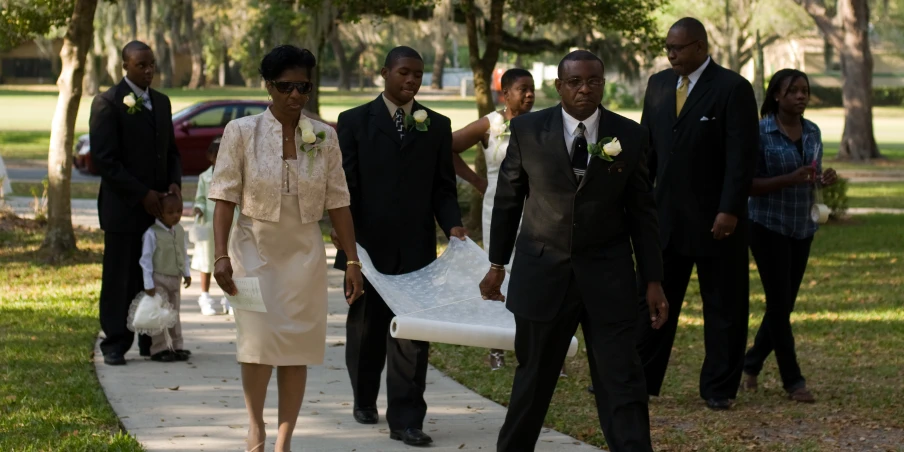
441,302
416,329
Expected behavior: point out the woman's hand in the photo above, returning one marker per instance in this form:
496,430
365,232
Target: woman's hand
829,177
223,273
198,213
354,284
802,175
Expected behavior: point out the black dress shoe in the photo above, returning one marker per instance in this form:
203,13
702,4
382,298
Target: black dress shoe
366,415
165,356
181,355
411,436
114,359
718,404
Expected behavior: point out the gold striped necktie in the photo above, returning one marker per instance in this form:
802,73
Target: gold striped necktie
681,94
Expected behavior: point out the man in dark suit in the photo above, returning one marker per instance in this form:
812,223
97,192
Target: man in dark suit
398,166
704,133
584,214
133,146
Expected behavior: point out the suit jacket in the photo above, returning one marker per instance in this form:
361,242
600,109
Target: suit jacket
568,227
135,153
398,187
703,160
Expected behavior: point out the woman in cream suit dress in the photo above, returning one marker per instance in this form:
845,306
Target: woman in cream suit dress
283,170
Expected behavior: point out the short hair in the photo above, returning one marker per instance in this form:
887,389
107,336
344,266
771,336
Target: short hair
398,53
770,105
693,27
214,147
133,46
509,77
170,199
285,57
580,55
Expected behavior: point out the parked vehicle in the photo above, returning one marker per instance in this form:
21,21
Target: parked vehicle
195,127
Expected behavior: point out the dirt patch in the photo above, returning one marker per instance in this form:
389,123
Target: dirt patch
10,222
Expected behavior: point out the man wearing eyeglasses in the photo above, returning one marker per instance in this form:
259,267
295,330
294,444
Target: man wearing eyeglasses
398,164
703,129
578,173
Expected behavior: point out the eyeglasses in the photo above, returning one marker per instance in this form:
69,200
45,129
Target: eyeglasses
287,87
677,48
577,83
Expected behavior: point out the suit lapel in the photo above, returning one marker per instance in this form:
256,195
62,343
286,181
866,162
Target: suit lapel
555,129
704,83
604,129
380,117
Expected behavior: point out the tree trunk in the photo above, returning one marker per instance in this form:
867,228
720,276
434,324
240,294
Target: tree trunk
439,64
346,64
163,15
759,70
130,16
60,238
194,30
111,46
482,66
90,83
858,142
145,30
828,55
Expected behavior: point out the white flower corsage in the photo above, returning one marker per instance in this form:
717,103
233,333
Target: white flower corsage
133,102
606,149
310,141
417,120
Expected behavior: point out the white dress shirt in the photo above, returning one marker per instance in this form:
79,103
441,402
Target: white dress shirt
392,107
148,245
694,76
143,94
591,129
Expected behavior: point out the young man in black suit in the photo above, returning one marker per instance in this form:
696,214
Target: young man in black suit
133,146
585,213
398,165
704,131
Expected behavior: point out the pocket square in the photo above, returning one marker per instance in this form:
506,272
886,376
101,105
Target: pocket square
704,119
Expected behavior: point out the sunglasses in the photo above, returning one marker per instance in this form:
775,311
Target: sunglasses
287,87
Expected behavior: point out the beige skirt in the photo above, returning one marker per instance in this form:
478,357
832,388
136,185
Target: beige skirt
289,259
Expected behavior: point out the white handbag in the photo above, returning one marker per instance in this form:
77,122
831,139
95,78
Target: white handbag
201,231
152,315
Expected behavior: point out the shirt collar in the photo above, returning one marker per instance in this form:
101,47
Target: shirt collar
571,124
138,91
770,125
393,107
274,123
165,227
694,76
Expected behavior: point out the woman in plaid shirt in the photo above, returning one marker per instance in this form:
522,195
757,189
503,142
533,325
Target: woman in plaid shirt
789,168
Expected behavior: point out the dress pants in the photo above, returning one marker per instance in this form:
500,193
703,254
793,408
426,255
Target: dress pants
724,287
120,283
368,346
617,373
171,287
781,261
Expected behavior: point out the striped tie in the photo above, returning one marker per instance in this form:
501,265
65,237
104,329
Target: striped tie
579,152
399,119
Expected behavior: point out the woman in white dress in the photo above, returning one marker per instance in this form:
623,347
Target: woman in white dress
491,132
283,170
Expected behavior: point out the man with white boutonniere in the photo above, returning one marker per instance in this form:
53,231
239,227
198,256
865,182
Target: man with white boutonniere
577,172
134,147
398,164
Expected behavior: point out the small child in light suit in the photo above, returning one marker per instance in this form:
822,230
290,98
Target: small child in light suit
203,258
164,264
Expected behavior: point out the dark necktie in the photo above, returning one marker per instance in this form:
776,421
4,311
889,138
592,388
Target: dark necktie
399,119
579,153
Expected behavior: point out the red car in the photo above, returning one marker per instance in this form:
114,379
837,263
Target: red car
195,127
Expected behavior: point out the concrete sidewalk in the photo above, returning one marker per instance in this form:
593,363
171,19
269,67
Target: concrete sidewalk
198,405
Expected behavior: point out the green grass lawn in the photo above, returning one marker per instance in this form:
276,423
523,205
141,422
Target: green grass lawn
849,328
876,194
50,399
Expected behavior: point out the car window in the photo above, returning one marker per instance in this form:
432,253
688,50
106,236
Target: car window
253,110
214,117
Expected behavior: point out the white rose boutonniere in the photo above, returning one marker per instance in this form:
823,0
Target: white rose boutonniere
310,141
417,120
606,149
499,127
133,102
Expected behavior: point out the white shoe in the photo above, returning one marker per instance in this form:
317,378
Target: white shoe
227,308
204,301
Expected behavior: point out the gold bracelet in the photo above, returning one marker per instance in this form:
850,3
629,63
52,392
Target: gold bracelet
497,267
220,258
358,263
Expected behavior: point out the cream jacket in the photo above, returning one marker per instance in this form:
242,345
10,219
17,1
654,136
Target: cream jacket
249,169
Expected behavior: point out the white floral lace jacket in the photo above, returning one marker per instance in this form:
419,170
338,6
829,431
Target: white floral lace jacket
249,170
